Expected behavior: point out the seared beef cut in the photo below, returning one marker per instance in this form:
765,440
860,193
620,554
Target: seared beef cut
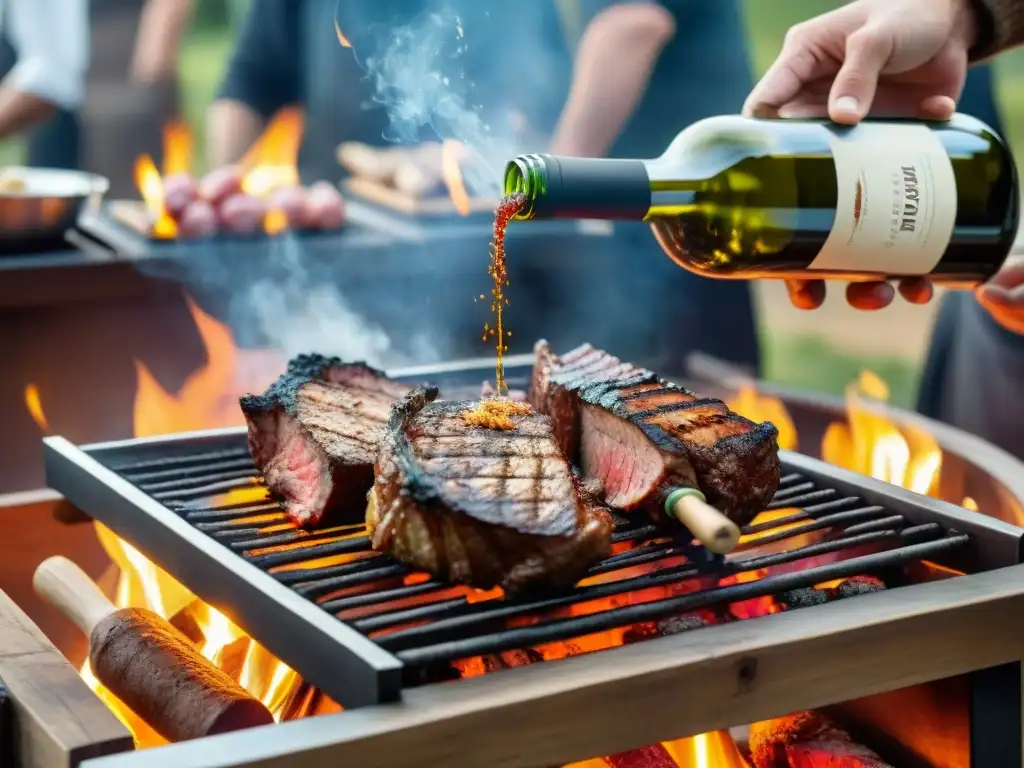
643,437
313,434
479,506
807,740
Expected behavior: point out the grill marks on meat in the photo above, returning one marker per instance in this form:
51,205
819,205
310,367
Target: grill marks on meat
314,434
642,437
479,506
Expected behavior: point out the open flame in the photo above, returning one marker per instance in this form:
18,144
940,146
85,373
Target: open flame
271,162
868,443
452,153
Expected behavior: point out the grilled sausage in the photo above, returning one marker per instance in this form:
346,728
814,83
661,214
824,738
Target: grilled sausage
325,207
221,183
180,189
198,219
291,201
242,214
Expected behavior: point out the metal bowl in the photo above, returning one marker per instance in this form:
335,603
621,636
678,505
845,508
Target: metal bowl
46,202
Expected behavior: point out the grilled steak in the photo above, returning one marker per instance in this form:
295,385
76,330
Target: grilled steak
643,437
313,434
479,506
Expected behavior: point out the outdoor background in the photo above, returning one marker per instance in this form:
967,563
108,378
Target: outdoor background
820,350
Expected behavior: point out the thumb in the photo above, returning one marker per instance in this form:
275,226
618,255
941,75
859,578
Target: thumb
867,52
1006,305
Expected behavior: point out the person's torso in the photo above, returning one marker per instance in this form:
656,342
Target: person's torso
704,71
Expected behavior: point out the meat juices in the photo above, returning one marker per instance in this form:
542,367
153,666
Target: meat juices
643,437
480,507
314,433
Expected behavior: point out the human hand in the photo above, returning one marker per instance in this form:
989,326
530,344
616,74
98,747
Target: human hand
897,58
1003,295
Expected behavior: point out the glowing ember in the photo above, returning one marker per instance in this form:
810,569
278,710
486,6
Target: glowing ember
495,413
507,208
451,172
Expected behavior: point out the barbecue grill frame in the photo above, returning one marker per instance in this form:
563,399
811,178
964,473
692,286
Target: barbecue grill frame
365,672
562,711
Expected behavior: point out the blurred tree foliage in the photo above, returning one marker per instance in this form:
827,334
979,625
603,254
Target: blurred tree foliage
211,15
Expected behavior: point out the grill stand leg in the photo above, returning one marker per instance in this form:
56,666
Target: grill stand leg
995,717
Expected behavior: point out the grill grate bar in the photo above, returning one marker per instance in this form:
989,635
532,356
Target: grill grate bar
826,521
344,546
204,470
233,513
384,569
488,612
197,482
801,500
200,458
382,596
182,496
562,629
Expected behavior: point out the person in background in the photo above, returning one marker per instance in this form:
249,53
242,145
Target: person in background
45,60
644,70
910,58
288,53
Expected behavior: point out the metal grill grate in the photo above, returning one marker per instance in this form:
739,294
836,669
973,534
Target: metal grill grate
360,626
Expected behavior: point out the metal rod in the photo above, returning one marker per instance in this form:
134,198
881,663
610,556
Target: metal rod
490,612
243,464
561,629
202,458
290,556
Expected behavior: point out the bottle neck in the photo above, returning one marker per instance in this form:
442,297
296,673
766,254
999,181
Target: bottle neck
580,188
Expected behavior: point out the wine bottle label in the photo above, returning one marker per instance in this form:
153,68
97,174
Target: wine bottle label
896,202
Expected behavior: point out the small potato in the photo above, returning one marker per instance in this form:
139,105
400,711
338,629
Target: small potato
198,219
325,207
220,184
242,214
180,189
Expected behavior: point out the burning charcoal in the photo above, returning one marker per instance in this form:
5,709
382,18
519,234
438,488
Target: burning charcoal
803,598
231,657
858,585
655,756
672,626
807,740
185,622
640,632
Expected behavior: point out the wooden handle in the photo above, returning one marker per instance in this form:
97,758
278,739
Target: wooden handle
70,590
709,526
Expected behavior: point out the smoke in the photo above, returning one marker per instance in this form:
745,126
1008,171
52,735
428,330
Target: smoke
465,74
291,296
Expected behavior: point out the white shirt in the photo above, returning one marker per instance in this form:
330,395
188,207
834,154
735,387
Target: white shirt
51,41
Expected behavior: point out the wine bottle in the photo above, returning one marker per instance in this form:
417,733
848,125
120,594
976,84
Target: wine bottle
736,197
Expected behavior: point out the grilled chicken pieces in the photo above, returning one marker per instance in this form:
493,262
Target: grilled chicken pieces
479,506
313,434
643,437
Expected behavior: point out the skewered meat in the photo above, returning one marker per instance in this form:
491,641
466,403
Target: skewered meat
807,740
180,189
291,201
324,208
479,506
242,214
313,434
220,184
643,437
199,219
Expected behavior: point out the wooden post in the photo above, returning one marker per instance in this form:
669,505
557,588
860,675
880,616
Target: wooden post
59,721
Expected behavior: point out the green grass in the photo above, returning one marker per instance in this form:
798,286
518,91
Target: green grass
811,362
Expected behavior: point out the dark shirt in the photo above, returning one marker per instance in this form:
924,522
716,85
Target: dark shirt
973,374
288,53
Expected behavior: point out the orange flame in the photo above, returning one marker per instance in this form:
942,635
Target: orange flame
151,187
748,400
177,147
870,443
35,408
341,35
272,160
452,153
